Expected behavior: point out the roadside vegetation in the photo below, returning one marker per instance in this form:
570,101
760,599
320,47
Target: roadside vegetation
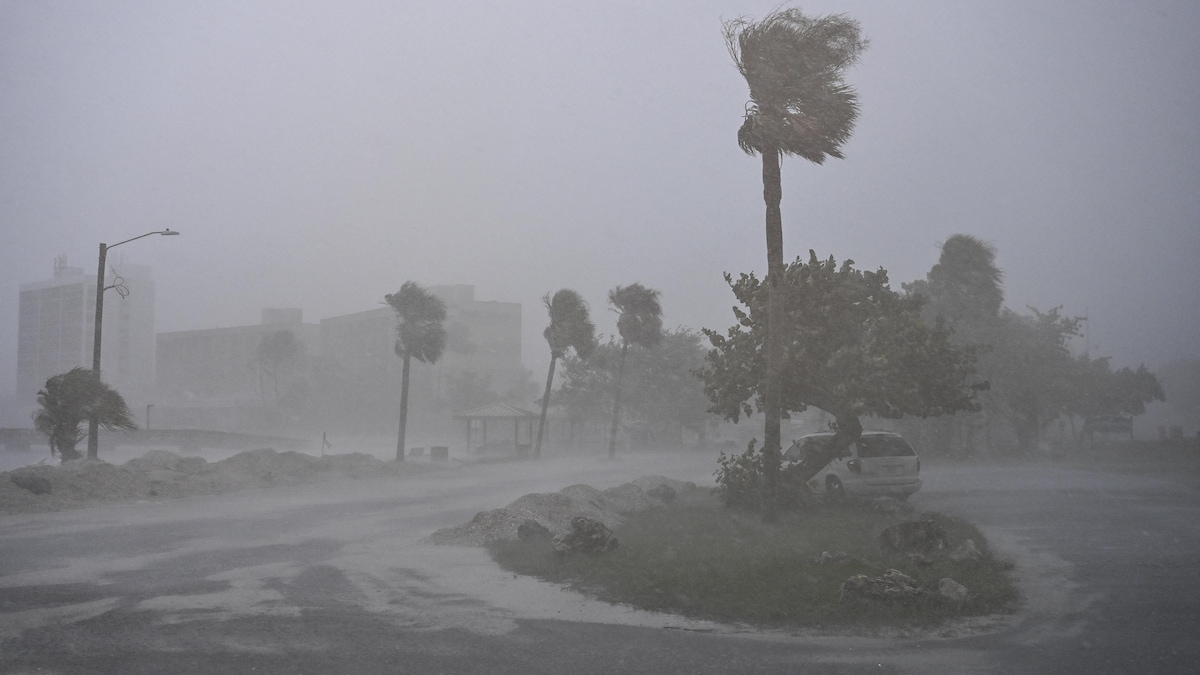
697,558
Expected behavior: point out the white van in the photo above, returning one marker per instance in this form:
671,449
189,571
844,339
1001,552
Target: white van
881,463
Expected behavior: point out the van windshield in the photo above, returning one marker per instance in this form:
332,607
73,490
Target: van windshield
884,446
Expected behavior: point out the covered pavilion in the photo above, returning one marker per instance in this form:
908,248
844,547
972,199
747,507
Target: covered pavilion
499,413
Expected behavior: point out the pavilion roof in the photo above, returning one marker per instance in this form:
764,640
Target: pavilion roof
495,411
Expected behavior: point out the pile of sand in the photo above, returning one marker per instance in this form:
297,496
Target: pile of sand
554,510
160,474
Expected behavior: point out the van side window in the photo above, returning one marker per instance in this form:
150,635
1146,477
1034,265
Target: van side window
886,446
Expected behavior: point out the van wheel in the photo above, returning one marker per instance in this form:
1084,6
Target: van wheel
834,489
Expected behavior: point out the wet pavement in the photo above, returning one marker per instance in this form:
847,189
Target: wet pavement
336,579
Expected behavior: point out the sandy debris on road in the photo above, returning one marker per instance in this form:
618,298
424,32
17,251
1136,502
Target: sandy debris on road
161,474
554,510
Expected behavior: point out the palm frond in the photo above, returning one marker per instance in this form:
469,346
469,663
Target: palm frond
640,320
419,316
570,325
794,67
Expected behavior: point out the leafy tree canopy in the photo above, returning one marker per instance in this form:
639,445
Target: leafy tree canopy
71,398
1102,391
570,324
640,314
278,348
660,386
853,347
420,333
965,286
794,64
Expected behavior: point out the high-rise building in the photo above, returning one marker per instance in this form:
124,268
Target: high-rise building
56,329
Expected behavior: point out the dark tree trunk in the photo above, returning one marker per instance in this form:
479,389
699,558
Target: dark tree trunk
849,429
612,434
66,447
403,409
772,195
537,448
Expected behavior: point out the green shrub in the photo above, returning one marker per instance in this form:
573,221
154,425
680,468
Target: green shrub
740,481
696,558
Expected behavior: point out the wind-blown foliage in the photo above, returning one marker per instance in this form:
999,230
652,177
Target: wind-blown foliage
794,65
1033,371
660,388
419,331
639,323
799,105
419,334
1104,392
854,347
965,286
570,327
71,398
276,351
1027,358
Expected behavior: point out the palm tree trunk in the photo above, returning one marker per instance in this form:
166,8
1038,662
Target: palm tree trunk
612,434
537,449
772,195
403,409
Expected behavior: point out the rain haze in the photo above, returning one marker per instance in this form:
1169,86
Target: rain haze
317,156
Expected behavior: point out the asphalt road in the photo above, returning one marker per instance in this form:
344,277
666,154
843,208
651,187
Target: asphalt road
296,580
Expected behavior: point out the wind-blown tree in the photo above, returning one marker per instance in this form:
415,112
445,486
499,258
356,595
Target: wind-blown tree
1033,372
660,384
964,288
799,105
854,347
71,398
570,327
1100,391
639,322
276,351
419,334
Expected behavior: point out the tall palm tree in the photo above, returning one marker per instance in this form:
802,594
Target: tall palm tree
570,328
72,397
419,334
799,105
640,323
965,284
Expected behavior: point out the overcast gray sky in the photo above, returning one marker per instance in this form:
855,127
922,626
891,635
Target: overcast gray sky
319,154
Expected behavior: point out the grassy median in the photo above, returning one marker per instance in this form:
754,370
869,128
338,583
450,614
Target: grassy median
699,559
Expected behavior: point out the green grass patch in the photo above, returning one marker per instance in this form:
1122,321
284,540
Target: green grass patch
699,559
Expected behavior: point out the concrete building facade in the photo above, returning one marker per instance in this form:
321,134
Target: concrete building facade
483,344
224,366
347,377
56,327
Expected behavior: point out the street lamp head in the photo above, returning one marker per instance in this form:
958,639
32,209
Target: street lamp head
169,231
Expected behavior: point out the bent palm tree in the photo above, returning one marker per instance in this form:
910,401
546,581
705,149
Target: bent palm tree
69,399
799,105
965,284
639,323
570,327
420,334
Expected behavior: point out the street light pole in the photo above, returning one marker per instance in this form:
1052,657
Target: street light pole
93,421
